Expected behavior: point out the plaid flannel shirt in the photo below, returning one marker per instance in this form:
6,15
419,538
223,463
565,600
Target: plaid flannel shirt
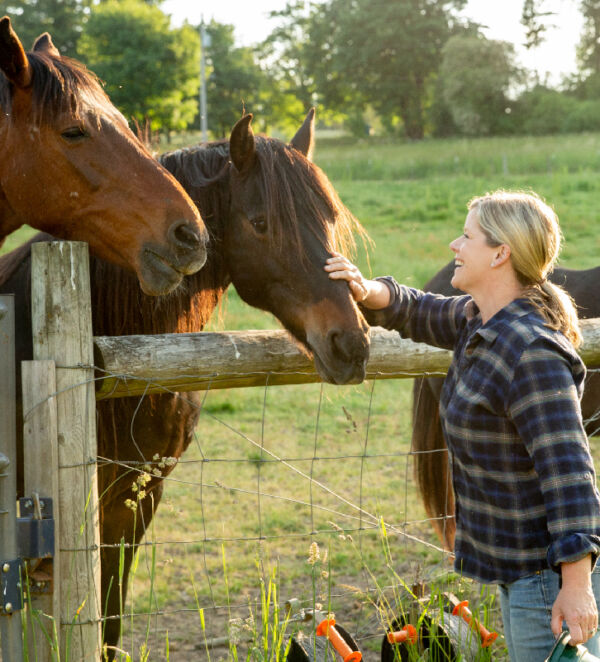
524,480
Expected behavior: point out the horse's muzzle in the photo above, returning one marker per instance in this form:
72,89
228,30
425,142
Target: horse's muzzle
341,357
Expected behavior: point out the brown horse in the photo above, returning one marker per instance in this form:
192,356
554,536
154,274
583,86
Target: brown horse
431,457
273,219
71,166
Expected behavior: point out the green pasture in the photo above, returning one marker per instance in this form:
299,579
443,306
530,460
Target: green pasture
232,503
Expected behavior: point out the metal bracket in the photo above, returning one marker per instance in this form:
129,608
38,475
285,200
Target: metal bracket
11,595
35,528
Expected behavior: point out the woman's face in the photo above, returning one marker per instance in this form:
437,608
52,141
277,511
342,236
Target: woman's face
473,257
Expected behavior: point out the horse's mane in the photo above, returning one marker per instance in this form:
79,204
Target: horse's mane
59,83
10,262
120,307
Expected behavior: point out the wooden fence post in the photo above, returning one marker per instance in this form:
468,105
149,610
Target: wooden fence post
62,332
40,450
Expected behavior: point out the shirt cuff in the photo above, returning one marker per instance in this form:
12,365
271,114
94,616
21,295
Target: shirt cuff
380,316
571,548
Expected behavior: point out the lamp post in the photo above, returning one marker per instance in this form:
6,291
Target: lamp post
204,43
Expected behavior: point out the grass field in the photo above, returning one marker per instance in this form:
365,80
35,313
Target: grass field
346,449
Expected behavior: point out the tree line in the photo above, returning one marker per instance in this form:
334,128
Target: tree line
411,68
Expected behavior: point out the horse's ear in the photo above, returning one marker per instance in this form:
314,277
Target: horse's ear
242,149
44,44
303,141
13,61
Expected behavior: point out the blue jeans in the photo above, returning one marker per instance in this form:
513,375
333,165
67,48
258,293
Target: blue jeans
527,612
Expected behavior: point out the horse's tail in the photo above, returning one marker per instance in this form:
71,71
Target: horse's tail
431,469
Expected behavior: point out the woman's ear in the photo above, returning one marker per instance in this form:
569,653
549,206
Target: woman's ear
501,256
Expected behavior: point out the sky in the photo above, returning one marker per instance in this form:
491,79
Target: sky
502,19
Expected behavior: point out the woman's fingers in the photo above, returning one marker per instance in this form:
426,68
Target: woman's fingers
340,268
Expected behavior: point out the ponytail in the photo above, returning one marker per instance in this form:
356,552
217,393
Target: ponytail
558,310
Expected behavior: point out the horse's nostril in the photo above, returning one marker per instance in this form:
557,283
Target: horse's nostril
336,340
348,346
182,234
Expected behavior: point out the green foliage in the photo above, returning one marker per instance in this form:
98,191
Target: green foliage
151,70
476,74
532,19
289,55
364,52
584,116
235,81
63,19
544,111
588,52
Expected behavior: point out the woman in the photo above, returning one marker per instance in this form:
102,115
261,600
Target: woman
527,506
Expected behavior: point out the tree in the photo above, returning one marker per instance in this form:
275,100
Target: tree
287,52
373,52
235,82
63,19
588,51
151,71
476,74
531,19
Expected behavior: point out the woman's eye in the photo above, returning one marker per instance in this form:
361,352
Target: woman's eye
259,224
74,133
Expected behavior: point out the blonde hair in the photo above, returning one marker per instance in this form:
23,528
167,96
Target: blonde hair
525,223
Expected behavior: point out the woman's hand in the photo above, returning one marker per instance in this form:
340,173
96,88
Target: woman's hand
575,603
370,293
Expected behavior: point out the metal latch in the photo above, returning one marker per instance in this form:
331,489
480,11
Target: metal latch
35,528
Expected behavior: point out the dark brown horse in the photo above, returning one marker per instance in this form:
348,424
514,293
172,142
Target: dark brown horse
69,165
273,219
431,457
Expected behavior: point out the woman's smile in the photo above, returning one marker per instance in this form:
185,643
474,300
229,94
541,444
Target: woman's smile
473,256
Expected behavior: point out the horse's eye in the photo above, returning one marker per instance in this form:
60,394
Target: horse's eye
74,134
259,224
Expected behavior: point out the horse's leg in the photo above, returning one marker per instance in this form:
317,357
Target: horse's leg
431,468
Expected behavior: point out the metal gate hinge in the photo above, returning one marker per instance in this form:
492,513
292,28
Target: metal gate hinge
11,594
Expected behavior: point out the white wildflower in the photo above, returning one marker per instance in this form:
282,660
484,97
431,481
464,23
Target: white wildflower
313,553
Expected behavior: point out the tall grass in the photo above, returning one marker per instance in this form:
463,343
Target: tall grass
458,157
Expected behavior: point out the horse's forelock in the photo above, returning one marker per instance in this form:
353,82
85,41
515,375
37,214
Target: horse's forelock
198,167
297,191
60,84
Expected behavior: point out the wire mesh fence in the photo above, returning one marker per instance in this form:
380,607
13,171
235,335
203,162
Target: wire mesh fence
270,472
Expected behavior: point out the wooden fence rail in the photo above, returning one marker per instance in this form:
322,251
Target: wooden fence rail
134,365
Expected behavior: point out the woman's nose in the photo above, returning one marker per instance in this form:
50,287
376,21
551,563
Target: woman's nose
454,245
